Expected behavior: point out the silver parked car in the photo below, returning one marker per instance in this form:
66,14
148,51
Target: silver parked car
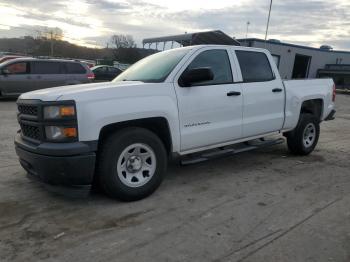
22,75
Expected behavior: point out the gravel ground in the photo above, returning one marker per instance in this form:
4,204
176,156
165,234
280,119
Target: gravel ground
265,205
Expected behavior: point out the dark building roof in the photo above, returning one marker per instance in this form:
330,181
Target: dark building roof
210,37
276,42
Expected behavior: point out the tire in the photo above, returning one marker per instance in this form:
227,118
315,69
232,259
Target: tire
303,139
131,164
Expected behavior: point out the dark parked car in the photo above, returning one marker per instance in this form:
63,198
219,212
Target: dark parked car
105,72
22,75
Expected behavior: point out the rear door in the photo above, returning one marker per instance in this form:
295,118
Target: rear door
209,113
263,93
18,80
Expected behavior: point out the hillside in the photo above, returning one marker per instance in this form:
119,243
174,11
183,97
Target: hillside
42,47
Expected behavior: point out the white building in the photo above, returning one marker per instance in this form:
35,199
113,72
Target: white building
296,61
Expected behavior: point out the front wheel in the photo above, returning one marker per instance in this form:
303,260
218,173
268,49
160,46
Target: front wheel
303,139
131,164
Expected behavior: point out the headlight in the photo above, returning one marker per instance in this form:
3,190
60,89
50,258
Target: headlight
60,133
57,112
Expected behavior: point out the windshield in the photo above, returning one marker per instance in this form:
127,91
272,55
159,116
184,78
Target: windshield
154,68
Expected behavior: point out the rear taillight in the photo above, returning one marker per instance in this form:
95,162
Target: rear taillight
334,93
91,76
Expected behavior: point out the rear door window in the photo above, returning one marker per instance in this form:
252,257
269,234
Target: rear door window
46,68
255,66
75,68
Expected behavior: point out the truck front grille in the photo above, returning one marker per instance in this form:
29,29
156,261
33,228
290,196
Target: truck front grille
29,119
31,110
30,131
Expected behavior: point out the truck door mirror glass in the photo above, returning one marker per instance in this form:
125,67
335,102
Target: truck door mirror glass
196,75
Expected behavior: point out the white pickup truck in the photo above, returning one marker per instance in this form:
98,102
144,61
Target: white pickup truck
174,103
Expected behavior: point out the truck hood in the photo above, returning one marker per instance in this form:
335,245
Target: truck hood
76,92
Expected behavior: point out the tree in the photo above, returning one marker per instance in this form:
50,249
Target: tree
41,47
124,49
126,55
51,34
123,41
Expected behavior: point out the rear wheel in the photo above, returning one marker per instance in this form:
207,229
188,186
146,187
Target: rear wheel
303,139
131,164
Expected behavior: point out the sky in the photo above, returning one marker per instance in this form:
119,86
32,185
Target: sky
92,22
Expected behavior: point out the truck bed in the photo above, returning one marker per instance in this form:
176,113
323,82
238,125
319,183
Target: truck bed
298,91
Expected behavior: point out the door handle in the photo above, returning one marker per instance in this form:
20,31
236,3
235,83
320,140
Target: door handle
276,90
233,93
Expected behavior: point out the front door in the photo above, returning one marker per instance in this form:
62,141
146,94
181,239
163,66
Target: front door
16,78
210,112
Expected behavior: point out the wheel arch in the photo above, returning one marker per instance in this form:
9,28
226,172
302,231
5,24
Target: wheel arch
158,125
314,107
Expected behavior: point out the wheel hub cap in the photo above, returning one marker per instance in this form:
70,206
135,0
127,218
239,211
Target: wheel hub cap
134,163
309,135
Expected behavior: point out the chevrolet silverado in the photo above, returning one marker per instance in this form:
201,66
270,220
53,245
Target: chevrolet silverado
175,103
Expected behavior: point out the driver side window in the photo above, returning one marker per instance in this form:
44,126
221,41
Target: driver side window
218,61
17,68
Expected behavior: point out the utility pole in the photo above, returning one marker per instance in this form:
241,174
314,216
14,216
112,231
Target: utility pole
246,33
51,36
268,21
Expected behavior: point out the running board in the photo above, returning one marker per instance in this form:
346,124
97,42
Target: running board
229,150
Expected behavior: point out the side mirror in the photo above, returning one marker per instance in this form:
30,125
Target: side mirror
196,75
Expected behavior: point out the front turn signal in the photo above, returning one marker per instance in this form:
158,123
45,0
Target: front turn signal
60,133
67,111
70,132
